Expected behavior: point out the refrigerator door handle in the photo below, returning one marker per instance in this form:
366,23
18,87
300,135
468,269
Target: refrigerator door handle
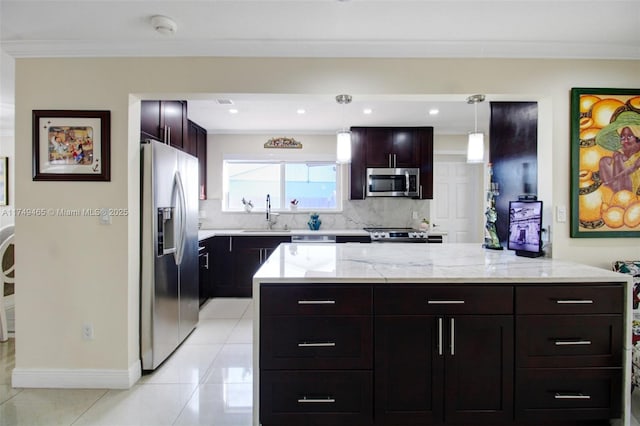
182,218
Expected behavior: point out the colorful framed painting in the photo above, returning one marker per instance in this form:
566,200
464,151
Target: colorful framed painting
605,163
71,145
4,181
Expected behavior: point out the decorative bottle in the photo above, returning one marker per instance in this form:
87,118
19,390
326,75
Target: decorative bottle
315,222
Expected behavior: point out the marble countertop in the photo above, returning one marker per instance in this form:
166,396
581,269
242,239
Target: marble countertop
419,263
206,233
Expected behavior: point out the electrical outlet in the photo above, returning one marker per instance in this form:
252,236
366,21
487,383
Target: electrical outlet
414,215
105,217
87,331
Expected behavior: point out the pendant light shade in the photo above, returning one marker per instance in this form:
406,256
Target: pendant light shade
343,146
475,145
475,148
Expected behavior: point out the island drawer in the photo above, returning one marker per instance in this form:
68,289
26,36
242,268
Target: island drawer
569,341
315,300
570,299
434,300
317,343
561,394
316,398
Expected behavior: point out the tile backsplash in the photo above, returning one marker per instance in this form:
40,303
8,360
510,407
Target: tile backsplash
385,212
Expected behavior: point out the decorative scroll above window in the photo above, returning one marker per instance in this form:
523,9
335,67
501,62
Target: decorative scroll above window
282,143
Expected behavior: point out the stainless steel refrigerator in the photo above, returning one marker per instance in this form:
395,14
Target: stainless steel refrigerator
169,304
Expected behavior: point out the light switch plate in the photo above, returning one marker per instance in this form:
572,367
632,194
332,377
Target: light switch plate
561,214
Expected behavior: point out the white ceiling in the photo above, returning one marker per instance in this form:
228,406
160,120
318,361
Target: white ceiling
606,29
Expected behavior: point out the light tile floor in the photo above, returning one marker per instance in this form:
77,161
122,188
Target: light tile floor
207,381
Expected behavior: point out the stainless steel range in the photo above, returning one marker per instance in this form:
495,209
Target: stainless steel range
401,235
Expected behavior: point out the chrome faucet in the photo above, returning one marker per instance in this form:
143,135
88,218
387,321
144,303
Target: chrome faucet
270,220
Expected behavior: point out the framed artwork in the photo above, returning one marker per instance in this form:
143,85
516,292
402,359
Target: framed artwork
4,181
71,145
605,163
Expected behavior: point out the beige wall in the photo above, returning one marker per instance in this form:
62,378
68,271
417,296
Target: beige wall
76,271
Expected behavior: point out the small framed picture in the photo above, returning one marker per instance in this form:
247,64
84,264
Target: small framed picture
71,145
4,181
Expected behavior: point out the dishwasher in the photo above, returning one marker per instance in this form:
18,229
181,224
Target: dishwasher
301,239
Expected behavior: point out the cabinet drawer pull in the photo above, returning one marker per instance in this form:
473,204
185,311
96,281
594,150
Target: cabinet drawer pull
574,301
305,400
316,302
559,395
439,336
572,342
445,302
453,336
316,345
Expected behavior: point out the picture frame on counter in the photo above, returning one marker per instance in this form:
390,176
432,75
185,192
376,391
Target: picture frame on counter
605,163
71,145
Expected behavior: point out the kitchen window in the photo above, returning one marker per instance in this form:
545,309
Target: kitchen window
313,184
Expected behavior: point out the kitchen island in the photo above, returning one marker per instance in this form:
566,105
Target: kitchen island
379,334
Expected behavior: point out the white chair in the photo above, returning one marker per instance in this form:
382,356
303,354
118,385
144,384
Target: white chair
6,276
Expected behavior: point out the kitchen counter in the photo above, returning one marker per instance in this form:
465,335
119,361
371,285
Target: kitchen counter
419,263
206,233
378,276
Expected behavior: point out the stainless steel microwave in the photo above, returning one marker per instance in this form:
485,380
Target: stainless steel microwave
383,182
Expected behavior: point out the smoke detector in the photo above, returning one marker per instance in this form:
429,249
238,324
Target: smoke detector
164,25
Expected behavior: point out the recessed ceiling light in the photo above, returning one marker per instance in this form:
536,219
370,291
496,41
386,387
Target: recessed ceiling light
367,111
434,111
301,111
233,111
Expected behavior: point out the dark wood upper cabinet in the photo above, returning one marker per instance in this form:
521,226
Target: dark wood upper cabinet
197,145
391,147
175,122
165,121
150,120
379,146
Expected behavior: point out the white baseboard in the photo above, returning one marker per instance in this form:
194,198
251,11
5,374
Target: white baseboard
76,379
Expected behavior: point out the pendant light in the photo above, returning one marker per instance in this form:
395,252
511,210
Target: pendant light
343,146
475,146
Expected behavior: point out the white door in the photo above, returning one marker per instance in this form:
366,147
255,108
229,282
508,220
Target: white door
457,206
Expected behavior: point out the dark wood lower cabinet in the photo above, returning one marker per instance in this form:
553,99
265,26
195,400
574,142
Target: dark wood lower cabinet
316,398
444,370
553,395
408,371
456,354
